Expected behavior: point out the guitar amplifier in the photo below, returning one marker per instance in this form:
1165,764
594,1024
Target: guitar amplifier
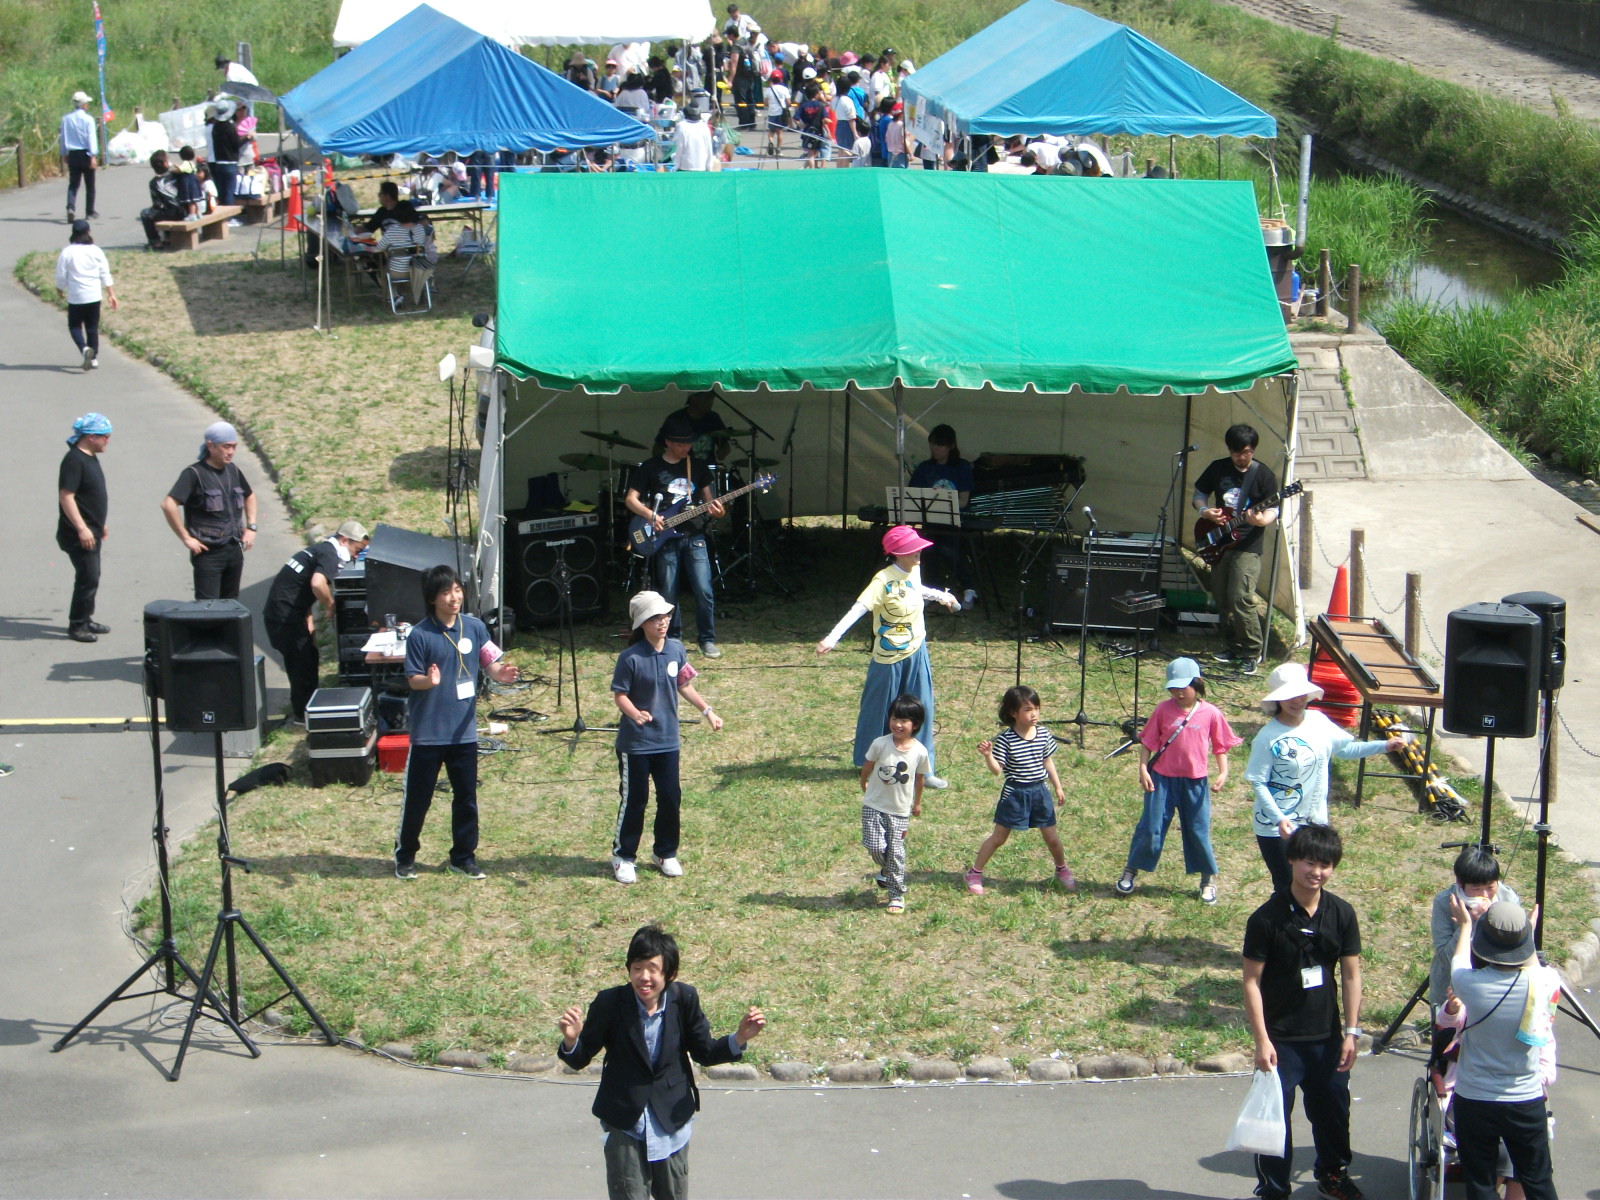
1112,575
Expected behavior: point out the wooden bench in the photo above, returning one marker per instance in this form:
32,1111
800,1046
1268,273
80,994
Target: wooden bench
187,235
258,210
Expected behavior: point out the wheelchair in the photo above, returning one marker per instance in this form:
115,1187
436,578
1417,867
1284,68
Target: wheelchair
1428,1153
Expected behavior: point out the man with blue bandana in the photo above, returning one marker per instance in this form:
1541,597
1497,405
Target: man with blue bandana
81,522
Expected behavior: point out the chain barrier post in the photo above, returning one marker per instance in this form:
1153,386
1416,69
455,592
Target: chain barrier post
1413,611
1353,300
1358,573
1307,532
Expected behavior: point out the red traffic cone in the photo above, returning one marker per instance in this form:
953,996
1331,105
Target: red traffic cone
1339,600
295,210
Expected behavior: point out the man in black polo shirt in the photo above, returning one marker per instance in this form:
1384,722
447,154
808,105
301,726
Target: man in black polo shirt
290,610
1229,486
81,523
1293,944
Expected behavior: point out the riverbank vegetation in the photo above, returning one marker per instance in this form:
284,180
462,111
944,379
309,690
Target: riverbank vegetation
155,51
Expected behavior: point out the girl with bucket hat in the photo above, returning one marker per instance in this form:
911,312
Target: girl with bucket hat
1181,733
899,665
1288,767
650,676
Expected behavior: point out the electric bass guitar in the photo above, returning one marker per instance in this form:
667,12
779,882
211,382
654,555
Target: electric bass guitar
1213,539
644,539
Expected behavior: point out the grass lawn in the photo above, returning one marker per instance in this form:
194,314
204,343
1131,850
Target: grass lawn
777,906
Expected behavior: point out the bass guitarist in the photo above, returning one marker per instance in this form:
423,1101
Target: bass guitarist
1225,489
660,487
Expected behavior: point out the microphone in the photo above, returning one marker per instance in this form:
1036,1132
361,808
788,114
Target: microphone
1186,450
1089,512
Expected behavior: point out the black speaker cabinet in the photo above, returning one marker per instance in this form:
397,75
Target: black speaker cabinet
1112,575
206,672
1491,671
534,564
396,559
1552,614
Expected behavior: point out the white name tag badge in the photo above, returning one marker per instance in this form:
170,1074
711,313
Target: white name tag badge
672,670
1311,977
464,645
465,691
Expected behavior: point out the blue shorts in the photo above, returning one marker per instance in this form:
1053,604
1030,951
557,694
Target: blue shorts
1025,806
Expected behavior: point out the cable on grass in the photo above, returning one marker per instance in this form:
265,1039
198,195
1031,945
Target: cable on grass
517,713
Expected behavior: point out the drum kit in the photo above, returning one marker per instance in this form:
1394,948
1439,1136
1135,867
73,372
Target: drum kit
742,518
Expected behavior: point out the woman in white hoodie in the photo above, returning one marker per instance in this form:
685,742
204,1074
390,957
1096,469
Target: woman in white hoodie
84,277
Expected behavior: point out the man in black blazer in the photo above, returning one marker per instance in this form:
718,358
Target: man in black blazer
649,1029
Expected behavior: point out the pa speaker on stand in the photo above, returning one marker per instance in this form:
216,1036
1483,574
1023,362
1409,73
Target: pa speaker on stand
203,657
1492,669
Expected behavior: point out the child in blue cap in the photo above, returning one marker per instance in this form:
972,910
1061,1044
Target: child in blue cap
1179,736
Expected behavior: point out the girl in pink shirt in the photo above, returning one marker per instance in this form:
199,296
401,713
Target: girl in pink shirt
1174,772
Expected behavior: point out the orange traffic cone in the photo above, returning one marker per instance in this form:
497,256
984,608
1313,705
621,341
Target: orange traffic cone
1339,601
295,211
1338,693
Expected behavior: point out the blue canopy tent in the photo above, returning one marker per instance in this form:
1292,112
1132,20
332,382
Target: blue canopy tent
1046,67
429,84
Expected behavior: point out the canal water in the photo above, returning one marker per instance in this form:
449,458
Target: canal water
1466,263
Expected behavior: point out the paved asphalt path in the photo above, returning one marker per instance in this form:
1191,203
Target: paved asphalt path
308,1120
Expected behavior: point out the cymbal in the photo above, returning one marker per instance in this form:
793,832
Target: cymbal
735,433
766,462
585,462
612,439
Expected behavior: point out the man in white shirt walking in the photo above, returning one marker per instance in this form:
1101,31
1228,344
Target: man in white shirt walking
79,154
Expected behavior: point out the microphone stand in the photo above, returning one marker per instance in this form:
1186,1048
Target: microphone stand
1082,717
1030,555
787,449
569,643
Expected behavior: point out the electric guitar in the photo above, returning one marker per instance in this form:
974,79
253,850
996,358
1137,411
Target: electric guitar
1213,539
644,539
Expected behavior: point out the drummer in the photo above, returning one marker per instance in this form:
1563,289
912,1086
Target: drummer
711,443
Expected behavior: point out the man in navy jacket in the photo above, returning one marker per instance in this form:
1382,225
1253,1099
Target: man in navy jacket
649,1029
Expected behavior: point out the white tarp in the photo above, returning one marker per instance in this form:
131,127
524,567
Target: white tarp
541,22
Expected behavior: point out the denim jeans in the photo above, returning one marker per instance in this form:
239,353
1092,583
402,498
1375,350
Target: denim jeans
688,555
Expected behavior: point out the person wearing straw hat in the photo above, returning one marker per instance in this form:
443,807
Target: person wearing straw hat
1509,998
650,675
1181,734
81,523
899,664
1288,767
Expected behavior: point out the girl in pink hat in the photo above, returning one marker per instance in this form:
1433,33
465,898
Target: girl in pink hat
899,665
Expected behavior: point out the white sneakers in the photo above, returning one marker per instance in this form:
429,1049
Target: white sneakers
626,872
935,781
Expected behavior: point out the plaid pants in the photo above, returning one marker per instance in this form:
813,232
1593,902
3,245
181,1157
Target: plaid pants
884,836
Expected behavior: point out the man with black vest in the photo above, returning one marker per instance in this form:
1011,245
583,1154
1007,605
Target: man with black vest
213,511
290,611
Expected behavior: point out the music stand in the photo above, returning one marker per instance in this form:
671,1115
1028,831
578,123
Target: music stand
922,506
1135,604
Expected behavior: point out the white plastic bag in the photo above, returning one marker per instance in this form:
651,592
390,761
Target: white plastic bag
1260,1128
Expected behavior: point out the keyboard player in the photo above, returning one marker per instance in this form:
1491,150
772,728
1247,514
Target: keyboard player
947,470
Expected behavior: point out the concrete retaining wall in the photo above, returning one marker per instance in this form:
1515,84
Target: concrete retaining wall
1561,24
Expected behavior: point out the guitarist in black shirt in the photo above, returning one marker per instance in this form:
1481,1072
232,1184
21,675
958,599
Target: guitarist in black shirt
660,487
1227,488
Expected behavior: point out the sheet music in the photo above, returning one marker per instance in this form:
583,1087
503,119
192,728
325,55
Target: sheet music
922,506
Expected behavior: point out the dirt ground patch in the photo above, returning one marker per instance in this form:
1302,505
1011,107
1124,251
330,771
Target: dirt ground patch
1445,47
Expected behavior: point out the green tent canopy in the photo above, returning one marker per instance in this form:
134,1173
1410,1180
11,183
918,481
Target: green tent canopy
788,278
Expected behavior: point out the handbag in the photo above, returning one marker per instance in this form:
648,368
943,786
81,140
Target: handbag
1260,1128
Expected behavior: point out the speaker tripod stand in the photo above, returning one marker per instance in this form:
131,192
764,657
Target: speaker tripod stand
568,646
166,957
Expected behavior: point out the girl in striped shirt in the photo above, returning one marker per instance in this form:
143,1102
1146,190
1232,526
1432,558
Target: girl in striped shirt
1022,754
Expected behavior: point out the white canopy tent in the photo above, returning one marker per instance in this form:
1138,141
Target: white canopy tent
541,22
